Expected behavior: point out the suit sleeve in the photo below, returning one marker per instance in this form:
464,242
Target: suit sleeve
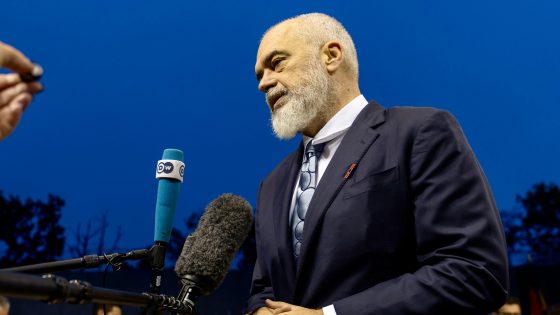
460,247
261,287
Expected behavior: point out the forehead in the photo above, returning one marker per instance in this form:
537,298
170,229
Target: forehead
279,34
280,38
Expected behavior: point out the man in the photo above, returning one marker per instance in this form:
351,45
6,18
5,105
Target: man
512,306
387,212
4,305
15,95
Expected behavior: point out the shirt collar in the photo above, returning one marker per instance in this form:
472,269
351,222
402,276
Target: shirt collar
340,122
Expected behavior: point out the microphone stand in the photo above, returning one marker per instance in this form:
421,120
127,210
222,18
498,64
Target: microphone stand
157,263
56,290
85,262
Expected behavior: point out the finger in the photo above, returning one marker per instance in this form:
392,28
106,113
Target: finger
10,115
283,309
35,87
275,304
7,95
22,101
12,58
7,80
34,75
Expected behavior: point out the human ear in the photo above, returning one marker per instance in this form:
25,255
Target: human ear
332,55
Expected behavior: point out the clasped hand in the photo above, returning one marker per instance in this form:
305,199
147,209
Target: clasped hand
277,307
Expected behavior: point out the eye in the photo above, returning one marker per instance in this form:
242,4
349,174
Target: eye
276,63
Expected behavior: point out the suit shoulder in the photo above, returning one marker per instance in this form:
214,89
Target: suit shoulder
416,117
416,113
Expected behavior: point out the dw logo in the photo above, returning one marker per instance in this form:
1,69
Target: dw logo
166,167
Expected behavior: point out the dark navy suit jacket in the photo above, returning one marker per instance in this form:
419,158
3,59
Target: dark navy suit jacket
413,230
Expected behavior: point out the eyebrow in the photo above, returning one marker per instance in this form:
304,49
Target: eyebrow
268,58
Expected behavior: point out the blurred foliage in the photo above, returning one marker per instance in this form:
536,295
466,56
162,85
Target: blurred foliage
30,230
535,227
94,231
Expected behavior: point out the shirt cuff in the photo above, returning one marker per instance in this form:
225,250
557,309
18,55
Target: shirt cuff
329,310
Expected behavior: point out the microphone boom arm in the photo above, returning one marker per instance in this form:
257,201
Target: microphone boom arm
56,290
85,262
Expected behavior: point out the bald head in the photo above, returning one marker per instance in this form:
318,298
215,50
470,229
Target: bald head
317,29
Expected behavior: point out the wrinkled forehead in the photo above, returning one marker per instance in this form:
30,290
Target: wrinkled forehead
279,37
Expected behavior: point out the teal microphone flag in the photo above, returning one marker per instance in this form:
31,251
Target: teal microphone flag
170,171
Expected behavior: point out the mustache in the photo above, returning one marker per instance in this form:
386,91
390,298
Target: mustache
275,93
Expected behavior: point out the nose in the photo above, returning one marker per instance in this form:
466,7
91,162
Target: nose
267,81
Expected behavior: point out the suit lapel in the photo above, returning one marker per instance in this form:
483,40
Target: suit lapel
282,229
356,142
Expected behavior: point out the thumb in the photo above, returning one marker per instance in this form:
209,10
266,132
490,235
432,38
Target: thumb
275,304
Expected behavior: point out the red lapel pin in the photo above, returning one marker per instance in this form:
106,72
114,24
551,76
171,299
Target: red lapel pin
350,170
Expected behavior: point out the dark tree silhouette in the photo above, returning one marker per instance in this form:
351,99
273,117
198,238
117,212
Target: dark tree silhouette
177,238
94,230
175,246
30,230
535,227
192,222
514,230
542,218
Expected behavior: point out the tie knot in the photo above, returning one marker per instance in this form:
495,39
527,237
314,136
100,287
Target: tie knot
314,149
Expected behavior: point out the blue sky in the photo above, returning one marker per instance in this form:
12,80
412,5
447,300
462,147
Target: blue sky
126,79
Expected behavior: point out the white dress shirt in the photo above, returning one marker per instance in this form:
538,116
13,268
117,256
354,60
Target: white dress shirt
331,134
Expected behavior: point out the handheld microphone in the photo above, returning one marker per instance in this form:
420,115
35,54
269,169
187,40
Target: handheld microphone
210,249
170,171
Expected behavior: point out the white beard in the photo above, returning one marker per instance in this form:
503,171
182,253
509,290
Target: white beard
303,103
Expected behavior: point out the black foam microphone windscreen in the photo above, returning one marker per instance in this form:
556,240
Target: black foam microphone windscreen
208,252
